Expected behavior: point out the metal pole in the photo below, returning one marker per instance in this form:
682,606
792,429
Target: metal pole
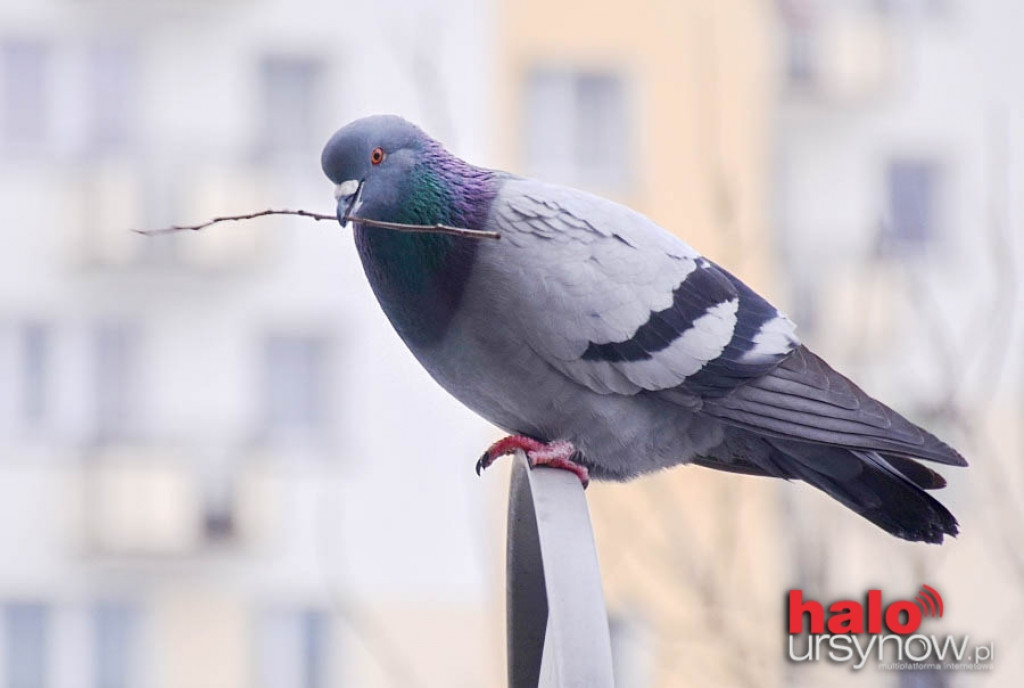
557,623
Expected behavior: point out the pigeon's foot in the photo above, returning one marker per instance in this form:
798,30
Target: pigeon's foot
554,454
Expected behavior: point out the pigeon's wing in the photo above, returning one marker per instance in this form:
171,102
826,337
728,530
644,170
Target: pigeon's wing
803,398
621,306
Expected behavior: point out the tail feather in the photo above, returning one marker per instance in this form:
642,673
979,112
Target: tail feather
922,476
887,490
804,420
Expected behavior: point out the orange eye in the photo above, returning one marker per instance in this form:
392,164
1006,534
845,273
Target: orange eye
377,156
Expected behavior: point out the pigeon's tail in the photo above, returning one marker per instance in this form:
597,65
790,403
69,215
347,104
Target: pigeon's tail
804,420
886,489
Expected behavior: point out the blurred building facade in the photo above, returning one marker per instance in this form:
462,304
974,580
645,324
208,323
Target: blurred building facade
899,146
201,481
206,477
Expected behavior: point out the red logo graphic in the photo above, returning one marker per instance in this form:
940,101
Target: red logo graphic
930,601
902,617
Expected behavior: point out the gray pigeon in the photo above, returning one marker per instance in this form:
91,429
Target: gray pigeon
605,344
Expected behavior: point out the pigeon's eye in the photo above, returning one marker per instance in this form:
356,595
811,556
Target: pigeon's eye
377,156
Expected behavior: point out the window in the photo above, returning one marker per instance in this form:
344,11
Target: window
922,678
293,649
290,104
295,384
576,127
923,7
114,98
35,364
912,197
24,109
117,367
219,506
801,42
26,627
115,646
313,631
801,55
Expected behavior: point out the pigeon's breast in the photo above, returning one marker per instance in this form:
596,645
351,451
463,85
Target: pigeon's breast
443,295
418,279
483,360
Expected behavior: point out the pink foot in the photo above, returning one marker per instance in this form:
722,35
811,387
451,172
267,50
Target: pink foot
554,454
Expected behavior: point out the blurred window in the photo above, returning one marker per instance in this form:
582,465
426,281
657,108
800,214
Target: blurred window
26,628
117,368
290,104
114,93
922,678
293,649
296,369
928,7
116,646
35,364
24,97
219,506
801,54
577,128
801,42
912,198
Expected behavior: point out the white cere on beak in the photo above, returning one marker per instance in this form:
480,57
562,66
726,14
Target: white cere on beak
346,189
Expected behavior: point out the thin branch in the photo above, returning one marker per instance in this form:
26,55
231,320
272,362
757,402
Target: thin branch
438,229
399,226
233,218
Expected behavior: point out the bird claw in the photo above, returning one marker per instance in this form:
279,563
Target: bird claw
484,462
553,454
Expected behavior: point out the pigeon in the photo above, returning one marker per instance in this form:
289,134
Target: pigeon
607,346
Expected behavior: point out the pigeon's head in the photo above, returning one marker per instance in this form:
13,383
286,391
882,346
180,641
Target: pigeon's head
370,162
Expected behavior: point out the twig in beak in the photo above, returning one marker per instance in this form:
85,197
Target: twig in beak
438,229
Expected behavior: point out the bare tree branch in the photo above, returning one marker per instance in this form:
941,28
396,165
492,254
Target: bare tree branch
233,218
399,226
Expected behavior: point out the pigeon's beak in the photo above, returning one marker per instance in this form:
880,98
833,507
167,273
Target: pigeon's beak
347,194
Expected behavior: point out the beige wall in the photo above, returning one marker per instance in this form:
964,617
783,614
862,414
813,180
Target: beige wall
699,74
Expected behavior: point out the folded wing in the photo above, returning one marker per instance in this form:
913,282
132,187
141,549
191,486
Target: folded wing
803,398
619,305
